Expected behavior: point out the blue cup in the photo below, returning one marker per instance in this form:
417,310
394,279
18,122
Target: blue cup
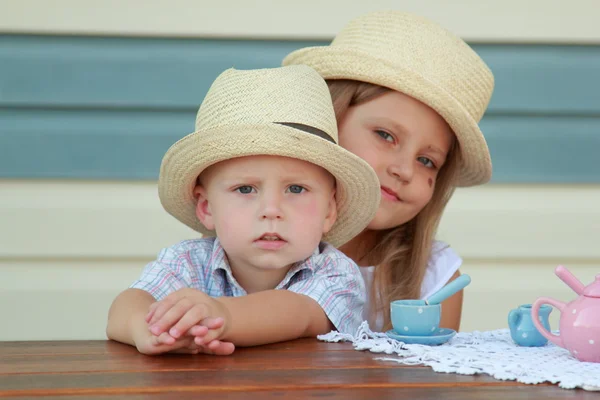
414,317
522,330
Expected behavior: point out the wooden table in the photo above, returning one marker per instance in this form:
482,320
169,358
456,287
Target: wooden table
300,369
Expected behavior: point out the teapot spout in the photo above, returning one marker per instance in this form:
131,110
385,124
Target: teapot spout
567,277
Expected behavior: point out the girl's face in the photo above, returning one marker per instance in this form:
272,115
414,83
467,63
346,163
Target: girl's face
406,143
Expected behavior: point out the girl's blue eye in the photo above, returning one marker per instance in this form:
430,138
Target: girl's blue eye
385,136
245,189
426,162
297,189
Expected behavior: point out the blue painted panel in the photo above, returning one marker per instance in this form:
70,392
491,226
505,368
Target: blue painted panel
142,72
94,144
123,72
108,108
112,144
544,79
544,149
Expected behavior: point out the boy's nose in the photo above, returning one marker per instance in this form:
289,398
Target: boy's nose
271,208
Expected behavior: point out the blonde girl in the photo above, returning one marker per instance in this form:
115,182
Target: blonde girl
408,97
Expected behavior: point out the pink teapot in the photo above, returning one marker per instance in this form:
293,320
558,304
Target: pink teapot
579,320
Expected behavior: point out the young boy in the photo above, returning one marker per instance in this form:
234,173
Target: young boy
264,180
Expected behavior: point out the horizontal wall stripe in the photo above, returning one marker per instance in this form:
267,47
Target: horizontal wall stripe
45,220
497,21
108,108
543,148
136,72
114,144
124,72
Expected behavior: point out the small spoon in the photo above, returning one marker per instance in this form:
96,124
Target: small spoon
448,290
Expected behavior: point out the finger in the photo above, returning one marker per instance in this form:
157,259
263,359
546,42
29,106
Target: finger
193,316
151,311
171,316
221,348
161,307
165,338
213,323
212,334
215,344
198,330
186,345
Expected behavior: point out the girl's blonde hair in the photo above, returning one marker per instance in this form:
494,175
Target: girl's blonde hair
402,253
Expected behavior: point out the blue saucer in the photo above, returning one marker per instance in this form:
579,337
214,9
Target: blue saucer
441,336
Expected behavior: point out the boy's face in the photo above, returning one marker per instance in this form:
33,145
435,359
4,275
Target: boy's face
268,212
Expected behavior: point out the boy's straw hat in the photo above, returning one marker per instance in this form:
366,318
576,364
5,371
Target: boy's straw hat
284,111
415,56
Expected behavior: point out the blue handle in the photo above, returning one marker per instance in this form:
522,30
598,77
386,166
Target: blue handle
513,318
448,290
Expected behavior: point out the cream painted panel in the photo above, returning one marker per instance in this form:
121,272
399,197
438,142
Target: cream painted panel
524,221
125,219
60,300
496,288
68,248
507,20
77,219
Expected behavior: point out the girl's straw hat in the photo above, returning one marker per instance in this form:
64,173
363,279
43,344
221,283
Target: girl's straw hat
283,111
415,56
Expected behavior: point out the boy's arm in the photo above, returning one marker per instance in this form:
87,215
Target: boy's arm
126,317
273,316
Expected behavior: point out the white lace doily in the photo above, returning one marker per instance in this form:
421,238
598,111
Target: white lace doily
491,352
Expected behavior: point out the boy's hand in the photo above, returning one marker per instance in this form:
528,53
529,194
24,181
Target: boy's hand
150,344
190,312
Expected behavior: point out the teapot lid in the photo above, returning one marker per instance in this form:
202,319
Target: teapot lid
593,289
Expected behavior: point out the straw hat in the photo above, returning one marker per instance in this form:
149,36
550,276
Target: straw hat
283,111
415,56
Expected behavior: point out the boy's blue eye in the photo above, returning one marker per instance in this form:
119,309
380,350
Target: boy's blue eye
245,189
426,162
385,136
297,189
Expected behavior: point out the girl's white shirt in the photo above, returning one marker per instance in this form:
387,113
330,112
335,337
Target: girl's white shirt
443,263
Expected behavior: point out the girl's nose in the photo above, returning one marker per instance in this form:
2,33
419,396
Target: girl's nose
402,169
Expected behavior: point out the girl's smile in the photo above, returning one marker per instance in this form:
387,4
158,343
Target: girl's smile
389,194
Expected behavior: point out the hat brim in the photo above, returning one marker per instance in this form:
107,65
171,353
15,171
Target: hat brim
357,191
333,62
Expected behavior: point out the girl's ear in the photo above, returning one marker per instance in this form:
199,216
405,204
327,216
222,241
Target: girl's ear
203,208
331,215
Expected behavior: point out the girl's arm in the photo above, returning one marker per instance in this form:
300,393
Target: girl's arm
452,308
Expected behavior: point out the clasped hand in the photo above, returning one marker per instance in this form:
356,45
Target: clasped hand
188,321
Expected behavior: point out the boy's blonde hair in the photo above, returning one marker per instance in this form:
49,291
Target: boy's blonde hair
402,253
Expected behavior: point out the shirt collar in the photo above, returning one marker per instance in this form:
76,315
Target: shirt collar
218,260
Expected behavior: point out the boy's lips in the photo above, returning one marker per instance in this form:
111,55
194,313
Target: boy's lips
389,194
270,236
270,241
